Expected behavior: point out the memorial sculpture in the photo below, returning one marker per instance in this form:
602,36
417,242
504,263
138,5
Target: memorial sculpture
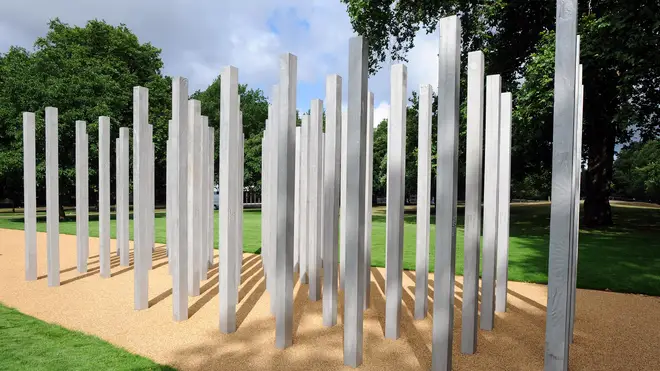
316,219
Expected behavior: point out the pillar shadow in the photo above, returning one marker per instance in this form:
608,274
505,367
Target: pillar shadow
62,271
250,302
412,335
208,284
378,303
411,275
212,270
250,258
408,302
206,297
458,302
429,290
299,297
526,300
131,266
89,273
249,284
160,297
250,272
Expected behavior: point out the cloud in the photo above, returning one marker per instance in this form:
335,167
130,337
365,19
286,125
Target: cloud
381,112
199,38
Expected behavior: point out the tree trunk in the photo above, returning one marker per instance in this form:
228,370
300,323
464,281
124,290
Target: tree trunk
600,147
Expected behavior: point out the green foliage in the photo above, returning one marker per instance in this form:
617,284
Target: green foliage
531,135
380,160
85,72
412,144
255,112
637,172
621,74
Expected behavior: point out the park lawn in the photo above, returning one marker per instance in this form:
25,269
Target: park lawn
27,343
623,258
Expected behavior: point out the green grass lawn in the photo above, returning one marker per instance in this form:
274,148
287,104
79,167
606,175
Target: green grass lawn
27,343
623,258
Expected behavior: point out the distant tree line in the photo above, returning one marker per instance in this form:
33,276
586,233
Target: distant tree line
89,71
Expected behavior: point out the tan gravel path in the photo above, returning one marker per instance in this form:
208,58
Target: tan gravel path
613,331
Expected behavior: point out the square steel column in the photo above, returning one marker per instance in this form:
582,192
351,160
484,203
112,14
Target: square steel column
296,212
211,190
228,223
491,182
575,215
271,245
557,337
342,199
315,197
449,67
117,196
30,195
358,73
423,201
473,196
194,130
286,126
122,194
151,212
179,199
240,199
85,207
203,250
332,163
168,196
104,196
52,197
264,196
304,194
141,157
396,174
368,193
576,218
82,201
204,199
503,199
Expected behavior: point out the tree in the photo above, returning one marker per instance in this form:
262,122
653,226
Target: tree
619,53
85,72
255,112
637,171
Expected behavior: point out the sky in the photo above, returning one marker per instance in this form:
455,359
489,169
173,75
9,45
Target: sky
198,38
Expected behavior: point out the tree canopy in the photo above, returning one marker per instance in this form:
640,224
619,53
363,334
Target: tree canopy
255,112
637,172
621,74
85,72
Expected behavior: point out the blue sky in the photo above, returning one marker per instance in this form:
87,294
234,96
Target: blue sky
198,38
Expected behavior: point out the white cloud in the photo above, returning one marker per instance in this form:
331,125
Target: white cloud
199,38
381,112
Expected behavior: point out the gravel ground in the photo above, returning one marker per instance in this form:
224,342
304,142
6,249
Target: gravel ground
613,331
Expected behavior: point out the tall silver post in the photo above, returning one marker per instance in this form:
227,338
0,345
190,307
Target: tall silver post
52,197
473,197
30,195
354,208
445,209
557,337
